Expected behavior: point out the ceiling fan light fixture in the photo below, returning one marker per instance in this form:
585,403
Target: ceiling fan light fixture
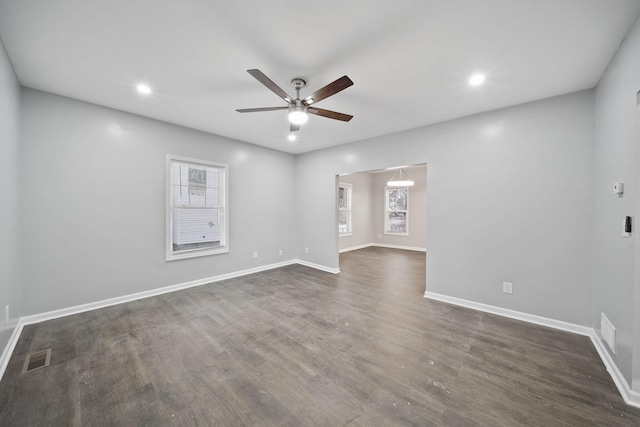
402,180
298,115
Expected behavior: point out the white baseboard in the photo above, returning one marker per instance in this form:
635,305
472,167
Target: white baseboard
406,248
318,266
42,317
11,345
518,315
631,397
382,245
55,314
354,248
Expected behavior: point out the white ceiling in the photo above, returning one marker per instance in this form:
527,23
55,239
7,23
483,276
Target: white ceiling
409,60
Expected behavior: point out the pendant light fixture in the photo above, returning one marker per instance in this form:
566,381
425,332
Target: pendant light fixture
402,179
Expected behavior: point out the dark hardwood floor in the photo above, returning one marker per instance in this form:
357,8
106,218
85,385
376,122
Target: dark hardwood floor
299,347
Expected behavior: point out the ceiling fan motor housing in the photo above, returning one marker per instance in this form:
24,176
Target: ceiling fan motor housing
298,83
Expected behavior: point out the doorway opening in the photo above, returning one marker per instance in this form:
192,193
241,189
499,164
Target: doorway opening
373,214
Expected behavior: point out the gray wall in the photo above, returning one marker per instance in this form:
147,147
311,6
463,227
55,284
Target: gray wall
417,210
10,293
510,199
615,258
361,218
94,203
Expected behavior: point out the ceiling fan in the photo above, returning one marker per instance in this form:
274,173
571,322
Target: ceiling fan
299,108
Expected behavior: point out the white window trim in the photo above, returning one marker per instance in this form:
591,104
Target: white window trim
350,232
224,214
386,211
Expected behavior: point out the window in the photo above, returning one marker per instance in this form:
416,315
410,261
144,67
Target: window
396,219
197,219
344,209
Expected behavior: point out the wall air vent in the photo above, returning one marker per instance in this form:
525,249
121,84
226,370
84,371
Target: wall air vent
608,332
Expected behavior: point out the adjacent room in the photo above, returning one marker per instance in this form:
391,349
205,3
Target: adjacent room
288,213
384,208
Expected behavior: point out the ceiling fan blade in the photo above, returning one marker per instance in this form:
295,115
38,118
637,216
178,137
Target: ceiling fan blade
255,110
259,75
329,114
330,89
294,128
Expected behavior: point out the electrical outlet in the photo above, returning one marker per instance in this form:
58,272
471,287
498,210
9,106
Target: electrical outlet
306,249
281,252
379,236
255,254
507,287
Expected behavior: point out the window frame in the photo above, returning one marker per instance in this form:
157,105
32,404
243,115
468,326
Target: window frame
387,211
349,188
224,210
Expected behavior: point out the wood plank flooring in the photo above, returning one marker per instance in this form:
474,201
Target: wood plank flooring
299,347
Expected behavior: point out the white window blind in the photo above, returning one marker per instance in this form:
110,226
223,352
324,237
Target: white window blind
197,200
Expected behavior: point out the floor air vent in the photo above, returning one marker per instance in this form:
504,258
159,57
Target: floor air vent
37,360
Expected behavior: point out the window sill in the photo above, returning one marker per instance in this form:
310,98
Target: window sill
196,253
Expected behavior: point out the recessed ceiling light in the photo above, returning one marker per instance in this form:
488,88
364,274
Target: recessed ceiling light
291,137
477,79
143,89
